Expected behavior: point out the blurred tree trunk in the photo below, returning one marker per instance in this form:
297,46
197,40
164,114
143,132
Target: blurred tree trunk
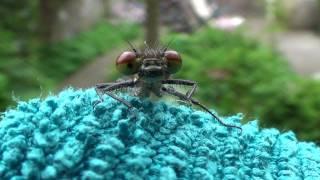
48,14
152,22
107,8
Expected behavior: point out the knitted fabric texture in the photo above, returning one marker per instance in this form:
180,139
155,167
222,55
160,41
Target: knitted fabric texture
66,137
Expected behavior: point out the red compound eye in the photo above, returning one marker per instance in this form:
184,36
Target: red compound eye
174,61
126,63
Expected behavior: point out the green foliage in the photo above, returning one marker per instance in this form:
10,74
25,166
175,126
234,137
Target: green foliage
3,88
17,30
297,109
229,66
44,67
14,68
20,18
237,74
23,19
28,67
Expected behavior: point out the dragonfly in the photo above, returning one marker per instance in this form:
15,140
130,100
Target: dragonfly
149,71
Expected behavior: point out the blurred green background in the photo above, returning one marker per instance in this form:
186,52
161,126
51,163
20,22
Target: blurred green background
260,58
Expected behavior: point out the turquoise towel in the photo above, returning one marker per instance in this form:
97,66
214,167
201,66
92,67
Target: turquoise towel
65,137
